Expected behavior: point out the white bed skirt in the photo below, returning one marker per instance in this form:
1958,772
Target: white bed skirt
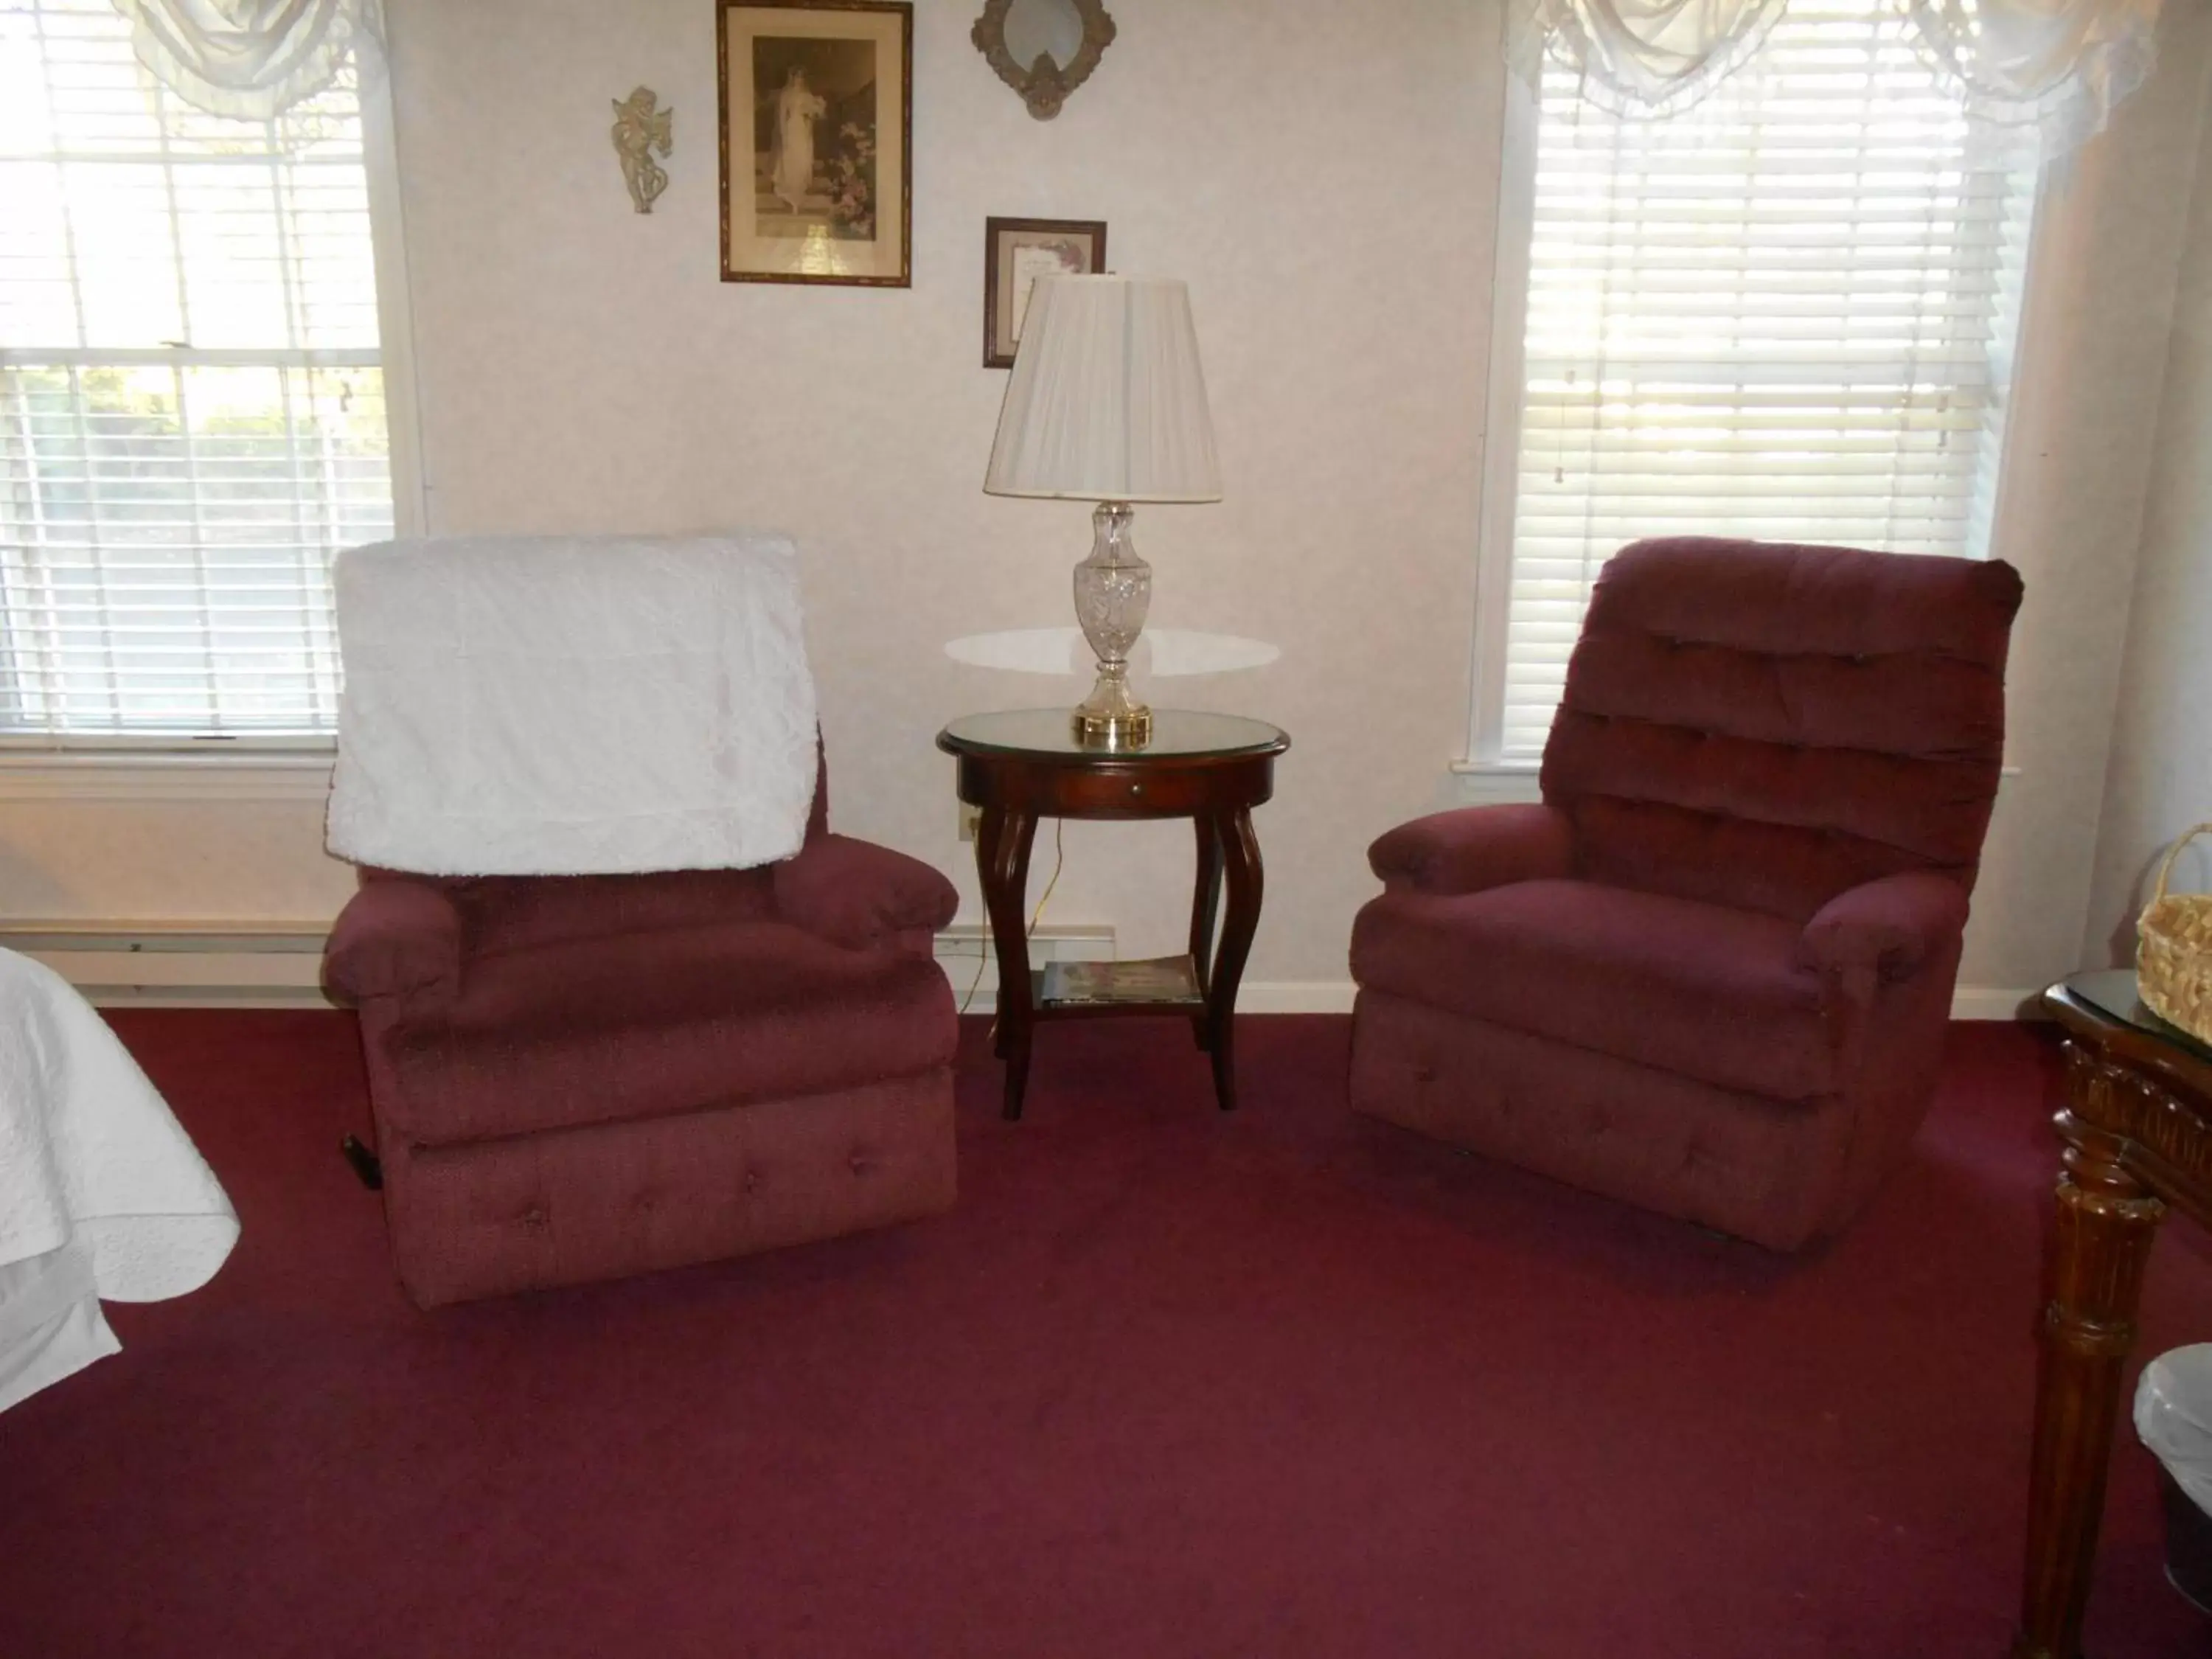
51,1325
102,1193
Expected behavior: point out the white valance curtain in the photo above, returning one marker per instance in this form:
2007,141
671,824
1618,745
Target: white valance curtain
251,59
2039,73
2054,68
1645,57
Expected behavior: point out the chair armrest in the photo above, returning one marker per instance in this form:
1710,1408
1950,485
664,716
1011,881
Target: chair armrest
857,894
1474,848
1881,931
394,939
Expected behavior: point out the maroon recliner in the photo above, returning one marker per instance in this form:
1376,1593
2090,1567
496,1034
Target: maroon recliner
1710,973
576,1078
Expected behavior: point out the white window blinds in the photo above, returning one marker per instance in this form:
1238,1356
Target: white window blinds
192,406
1784,314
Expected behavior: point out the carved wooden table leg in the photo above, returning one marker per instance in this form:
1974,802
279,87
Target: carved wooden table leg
989,826
1205,910
1240,849
2105,1223
1002,864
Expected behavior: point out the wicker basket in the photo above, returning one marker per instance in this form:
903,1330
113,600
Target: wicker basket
2173,951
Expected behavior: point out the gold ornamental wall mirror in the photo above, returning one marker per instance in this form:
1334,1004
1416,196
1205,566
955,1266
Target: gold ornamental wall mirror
1044,49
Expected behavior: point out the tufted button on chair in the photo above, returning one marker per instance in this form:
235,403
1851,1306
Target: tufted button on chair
1730,930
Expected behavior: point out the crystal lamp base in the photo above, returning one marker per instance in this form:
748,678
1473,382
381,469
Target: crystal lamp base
1113,592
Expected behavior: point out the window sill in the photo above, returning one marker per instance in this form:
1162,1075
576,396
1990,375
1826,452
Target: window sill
297,773
1476,783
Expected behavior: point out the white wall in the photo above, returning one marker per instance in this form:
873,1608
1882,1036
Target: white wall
1320,174
2158,781
2082,429
1323,173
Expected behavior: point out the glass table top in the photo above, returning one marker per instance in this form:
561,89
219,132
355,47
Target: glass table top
2113,991
1176,733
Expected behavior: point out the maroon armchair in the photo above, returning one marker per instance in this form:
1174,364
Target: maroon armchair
576,1078
1710,973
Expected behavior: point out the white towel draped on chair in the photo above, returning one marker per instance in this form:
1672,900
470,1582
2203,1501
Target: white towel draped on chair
538,706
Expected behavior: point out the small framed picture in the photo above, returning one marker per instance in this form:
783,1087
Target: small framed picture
1016,252
817,141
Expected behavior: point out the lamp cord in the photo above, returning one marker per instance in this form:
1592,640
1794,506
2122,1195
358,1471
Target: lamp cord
983,954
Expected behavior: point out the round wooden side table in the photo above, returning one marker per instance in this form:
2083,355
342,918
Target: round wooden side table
1026,764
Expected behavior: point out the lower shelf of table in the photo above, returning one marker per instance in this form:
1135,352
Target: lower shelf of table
1079,990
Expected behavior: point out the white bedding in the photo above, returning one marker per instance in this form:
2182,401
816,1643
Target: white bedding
571,705
101,1192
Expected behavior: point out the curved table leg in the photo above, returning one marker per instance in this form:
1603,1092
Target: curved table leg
990,824
1205,910
1240,851
1002,863
2106,1221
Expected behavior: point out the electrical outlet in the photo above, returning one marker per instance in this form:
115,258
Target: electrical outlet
969,818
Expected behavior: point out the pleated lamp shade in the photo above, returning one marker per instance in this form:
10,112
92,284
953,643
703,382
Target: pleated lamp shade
1107,401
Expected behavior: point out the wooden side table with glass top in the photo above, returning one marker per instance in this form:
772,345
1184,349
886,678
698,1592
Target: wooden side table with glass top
1025,765
2137,1127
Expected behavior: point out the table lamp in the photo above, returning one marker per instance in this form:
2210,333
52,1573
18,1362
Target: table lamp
1107,404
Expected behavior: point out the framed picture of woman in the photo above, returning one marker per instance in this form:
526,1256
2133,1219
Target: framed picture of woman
817,141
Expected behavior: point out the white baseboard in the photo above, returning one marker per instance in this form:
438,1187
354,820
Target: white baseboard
279,964
1993,1002
1295,996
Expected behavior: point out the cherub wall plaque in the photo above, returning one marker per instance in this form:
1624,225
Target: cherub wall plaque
638,130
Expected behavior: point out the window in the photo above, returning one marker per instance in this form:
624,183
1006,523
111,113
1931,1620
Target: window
1787,313
192,402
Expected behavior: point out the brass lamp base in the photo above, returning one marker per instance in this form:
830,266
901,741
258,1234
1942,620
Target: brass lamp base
1130,728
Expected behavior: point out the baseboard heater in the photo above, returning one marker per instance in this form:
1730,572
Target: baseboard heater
180,965
279,964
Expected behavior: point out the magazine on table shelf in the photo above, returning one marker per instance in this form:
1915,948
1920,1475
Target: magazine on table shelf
1157,978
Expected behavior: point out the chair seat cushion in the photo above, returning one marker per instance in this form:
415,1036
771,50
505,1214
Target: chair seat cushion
1708,992
649,1024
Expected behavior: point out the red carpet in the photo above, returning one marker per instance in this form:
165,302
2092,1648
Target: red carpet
1166,1383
